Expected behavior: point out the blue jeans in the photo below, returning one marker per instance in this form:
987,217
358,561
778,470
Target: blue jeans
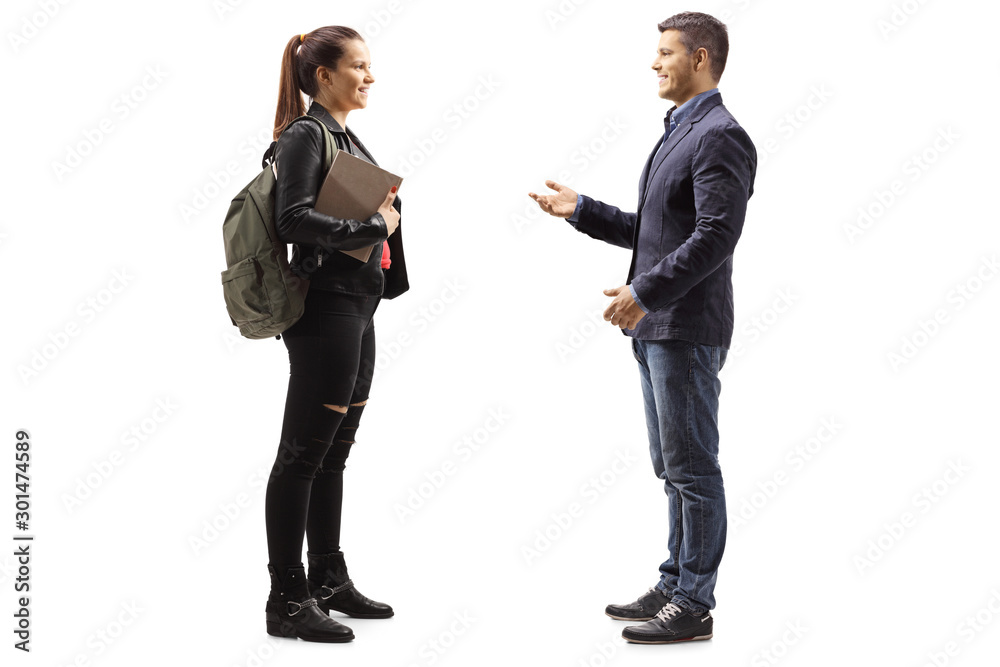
680,390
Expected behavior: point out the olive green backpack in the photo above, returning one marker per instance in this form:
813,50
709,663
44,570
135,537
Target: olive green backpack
263,296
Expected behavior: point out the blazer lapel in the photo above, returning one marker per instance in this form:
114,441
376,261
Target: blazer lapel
644,178
672,141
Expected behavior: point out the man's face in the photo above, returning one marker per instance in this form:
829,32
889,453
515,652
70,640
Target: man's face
674,67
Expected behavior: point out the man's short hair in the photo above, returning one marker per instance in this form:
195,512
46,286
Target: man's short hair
702,31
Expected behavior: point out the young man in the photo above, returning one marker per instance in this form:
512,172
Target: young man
677,307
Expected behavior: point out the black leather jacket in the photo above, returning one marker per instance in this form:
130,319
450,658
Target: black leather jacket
317,238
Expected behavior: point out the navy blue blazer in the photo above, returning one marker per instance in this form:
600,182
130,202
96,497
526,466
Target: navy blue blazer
690,216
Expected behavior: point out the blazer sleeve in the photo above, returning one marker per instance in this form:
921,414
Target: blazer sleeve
723,169
604,222
299,163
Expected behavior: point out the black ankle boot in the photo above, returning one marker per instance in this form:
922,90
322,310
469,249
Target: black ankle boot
333,588
291,612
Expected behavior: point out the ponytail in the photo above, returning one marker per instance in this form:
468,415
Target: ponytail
303,54
290,102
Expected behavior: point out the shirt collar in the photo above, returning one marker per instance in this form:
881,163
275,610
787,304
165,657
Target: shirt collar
676,115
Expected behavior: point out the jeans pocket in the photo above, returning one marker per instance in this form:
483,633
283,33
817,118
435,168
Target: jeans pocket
715,359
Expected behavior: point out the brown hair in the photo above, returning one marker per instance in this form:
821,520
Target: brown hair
702,31
321,47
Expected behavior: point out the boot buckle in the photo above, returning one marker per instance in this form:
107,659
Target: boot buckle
333,591
311,602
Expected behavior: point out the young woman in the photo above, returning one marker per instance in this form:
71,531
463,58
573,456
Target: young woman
331,350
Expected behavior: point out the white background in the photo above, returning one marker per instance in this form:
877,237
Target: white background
503,318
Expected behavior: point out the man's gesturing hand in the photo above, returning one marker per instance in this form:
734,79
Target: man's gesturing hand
561,204
623,312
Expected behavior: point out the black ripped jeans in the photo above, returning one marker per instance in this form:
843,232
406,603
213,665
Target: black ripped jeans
331,353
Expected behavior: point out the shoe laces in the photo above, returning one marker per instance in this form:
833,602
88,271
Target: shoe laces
669,611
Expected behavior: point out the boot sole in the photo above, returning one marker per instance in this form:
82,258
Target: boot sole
665,641
354,615
275,629
629,618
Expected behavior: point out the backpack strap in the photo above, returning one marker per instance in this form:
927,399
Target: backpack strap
328,148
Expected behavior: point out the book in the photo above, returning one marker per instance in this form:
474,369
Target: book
353,190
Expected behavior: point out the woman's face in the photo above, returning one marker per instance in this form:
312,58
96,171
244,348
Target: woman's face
346,88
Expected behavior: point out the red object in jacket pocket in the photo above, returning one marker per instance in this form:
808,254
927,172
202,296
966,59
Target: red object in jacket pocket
385,255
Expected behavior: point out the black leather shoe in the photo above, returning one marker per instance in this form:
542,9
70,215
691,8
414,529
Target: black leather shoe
671,624
290,612
333,588
642,609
